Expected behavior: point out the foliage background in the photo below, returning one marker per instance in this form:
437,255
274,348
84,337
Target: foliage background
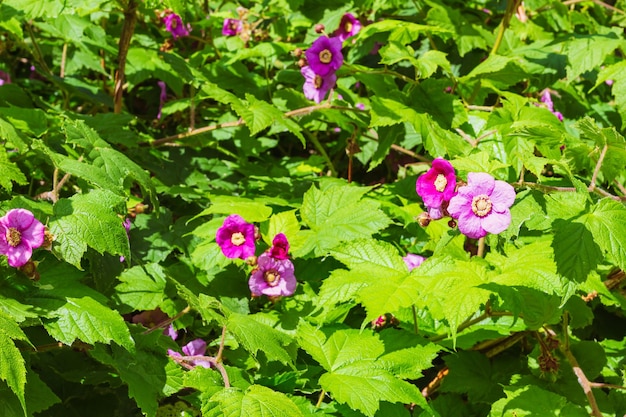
535,327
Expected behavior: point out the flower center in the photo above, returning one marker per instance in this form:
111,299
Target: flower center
326,56
237,239
440,183
272,277
481,205
174,24
348,26
318,82
14,237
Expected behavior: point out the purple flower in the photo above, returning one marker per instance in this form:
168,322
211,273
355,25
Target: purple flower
162,96
236,237
546,98
482,206
196,347
5,78
273,277
280,247
174,25
316,86
20,233
126,223
436,186
171,332
360,106
412,261
324,56
349,26
232,27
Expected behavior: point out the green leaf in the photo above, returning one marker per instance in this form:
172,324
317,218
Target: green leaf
88,220
12,365
471,373
380,259
337,214
255,335
284,222
85,319
10,172
588,52
255,401
576,252
250,210
142,287
607,223
406,354
532,401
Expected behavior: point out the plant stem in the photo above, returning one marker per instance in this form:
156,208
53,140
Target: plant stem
130,18
511,6
594,177
583,381
414,319
220,351
320,399
318,146
481,247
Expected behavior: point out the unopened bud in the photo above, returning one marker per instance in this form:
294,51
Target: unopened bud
423,219
452,223
297,52
48,238
30,270
251,261
301,62
319,28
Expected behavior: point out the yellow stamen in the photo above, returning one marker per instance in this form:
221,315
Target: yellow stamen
237,239
440,183
14,236
481,205
326,56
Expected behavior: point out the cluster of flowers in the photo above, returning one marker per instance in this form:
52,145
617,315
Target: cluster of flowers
324,58
20,233
174,24
273,273
479,207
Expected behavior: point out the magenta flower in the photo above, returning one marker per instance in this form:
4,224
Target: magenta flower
5,78
546,98
280,247
174,25
171,332
324,56
273,277
236,237
412,261
482,206
436,186
20,233
349,26
196,347
316,86
126,223
162,96
232,27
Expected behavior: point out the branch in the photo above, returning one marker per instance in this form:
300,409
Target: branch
583,381
130,18
594,177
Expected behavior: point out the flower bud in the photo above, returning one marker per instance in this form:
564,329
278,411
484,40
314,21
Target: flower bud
452,223
30,270
319,28
301,62
423,219
297,52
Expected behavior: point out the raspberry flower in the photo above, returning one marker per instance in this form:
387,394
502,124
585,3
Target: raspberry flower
20,233
324,56
349,26
236,237
315,86
273,277
412,261
280,247
232,27
174,25
482,206
436,186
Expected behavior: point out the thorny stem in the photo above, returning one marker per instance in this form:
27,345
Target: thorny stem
511,6
594,177
130,18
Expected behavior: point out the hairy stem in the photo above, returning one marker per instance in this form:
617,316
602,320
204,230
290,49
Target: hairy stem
130,18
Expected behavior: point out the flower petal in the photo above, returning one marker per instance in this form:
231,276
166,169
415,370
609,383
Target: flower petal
459,204
497,222
19,255
502,197
480,182
471,226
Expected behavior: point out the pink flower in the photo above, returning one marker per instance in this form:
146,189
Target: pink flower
273,277
236,237
5,78
315,86
174,25
546,98
412,261
482,206
324,56
196,347
280,247
20,233
349,26
171,332
126,223
436,186
162,96
232,27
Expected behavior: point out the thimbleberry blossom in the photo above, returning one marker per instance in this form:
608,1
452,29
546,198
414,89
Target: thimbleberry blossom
273,277
316,86
20,233
324,56
412,261
482,206
174,25
232,27
349,26
436,186
236,237
280,247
